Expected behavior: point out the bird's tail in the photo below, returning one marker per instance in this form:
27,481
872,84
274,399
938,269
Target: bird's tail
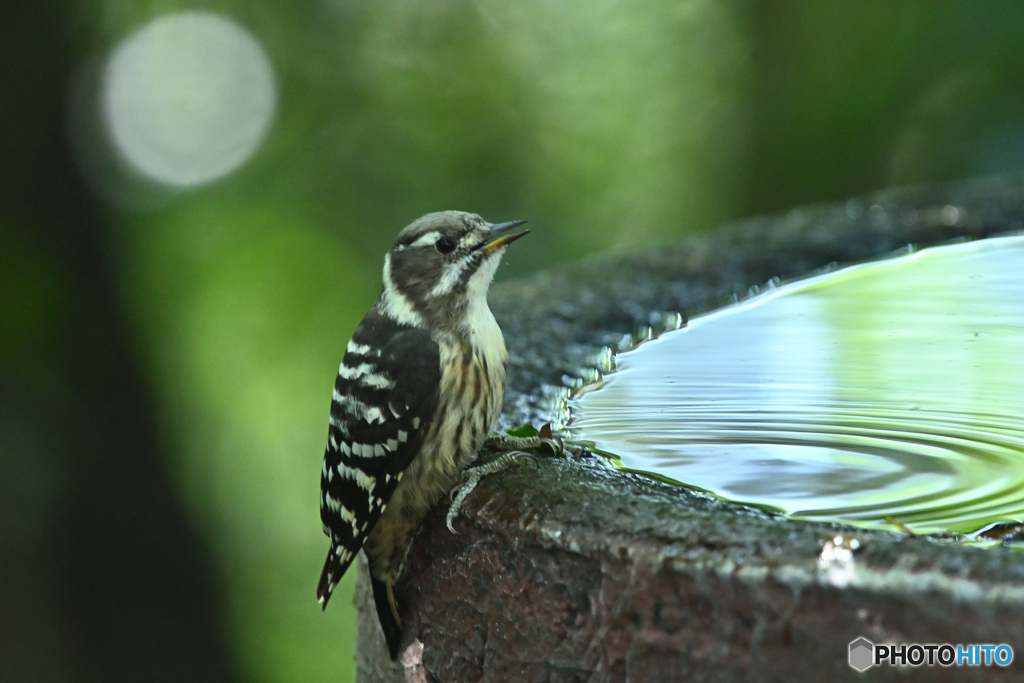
338,560
328,578
387,613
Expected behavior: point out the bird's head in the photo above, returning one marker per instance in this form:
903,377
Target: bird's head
441,266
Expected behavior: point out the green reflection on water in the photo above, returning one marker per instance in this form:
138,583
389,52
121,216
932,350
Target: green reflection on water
890,389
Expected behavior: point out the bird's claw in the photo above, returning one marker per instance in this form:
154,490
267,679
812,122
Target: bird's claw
471,476
545,437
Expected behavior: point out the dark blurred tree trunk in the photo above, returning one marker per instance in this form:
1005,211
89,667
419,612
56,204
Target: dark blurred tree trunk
103,578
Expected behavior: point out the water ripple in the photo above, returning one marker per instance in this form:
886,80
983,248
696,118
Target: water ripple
887,390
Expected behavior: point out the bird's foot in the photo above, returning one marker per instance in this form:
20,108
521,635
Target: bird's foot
471,476
544,438
514,448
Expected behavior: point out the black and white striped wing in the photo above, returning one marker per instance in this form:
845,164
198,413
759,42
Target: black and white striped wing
385,396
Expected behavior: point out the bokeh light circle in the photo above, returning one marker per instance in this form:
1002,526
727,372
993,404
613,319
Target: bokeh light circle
189,97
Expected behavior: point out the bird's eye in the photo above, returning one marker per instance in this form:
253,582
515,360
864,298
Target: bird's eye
445,245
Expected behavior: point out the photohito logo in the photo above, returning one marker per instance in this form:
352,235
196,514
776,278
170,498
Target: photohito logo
864,654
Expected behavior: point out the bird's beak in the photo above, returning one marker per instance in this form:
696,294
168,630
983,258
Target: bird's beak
498,236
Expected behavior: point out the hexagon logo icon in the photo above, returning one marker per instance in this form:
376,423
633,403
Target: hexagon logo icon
862,654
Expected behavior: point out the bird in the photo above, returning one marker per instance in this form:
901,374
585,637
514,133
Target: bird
419,389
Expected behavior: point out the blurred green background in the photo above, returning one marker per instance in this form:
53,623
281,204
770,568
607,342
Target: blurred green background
194,204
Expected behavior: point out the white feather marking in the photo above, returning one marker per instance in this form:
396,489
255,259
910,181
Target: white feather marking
345,448
415,423
350,517
358,349
378,450
480,325
348,372
451,276
396,305
353,406
333,503
377,381
427,239
330,440
364,374
403,436
392,445
362,479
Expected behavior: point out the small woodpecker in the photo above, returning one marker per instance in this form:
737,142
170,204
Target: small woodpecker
419,389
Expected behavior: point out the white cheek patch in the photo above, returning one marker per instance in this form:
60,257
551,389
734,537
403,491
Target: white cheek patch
395,304
451,276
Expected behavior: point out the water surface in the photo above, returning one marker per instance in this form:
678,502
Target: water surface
892,389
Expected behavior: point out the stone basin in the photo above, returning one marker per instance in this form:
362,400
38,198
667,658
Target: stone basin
568,570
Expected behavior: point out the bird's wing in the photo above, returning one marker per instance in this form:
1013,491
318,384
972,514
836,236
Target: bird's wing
384,399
